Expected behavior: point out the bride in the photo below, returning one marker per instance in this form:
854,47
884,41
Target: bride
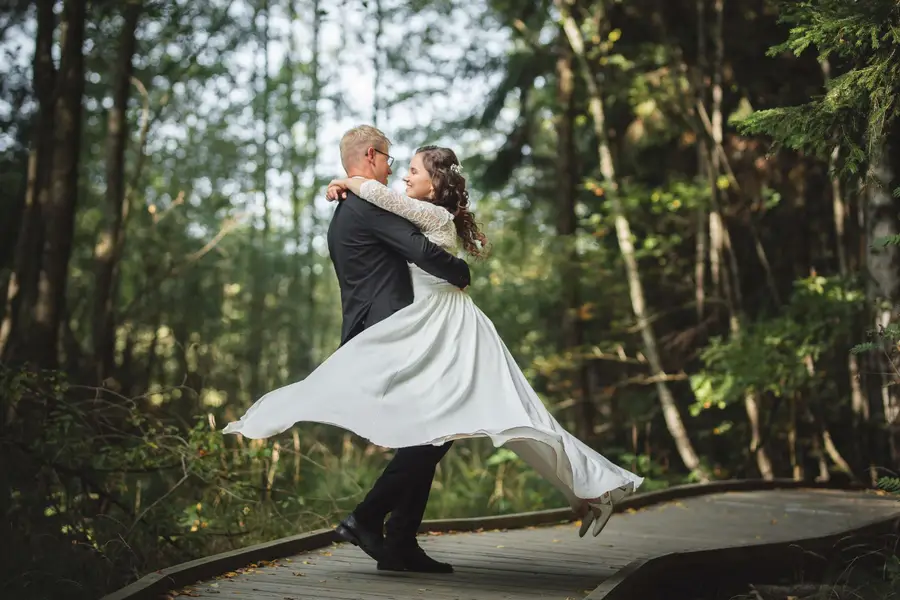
438,367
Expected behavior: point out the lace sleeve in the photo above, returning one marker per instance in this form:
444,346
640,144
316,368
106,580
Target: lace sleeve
426,216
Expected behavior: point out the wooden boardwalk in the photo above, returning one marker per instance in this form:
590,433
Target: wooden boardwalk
552,562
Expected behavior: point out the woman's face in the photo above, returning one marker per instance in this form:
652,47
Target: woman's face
418,181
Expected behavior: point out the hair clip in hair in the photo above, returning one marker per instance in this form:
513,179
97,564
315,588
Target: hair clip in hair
456,169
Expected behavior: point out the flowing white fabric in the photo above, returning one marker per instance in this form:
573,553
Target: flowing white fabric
436,371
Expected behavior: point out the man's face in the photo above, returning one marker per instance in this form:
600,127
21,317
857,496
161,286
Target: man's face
380,164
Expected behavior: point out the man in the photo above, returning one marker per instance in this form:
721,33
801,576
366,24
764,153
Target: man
370,249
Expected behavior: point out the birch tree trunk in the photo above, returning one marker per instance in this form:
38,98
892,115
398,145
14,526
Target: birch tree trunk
623,231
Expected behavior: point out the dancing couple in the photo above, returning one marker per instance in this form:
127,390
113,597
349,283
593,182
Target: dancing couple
419,364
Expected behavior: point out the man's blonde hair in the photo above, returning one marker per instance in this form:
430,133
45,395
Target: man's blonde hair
358,140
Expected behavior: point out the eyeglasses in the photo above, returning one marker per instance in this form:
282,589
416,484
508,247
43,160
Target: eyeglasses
390,159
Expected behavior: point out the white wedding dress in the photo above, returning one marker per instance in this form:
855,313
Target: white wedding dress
436,371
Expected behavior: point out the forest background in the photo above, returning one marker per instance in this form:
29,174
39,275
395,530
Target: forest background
694,231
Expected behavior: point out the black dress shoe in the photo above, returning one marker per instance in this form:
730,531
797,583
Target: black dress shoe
369,539
411,559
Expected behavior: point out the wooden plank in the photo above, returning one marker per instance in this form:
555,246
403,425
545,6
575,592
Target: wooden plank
638,501
640,578
177,576
530,565
154,584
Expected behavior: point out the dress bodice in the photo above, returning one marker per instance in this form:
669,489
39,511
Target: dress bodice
436,224
426,284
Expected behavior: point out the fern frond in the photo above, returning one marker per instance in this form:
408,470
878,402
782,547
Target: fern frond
890,485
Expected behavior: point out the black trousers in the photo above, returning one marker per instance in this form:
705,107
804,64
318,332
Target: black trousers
402,490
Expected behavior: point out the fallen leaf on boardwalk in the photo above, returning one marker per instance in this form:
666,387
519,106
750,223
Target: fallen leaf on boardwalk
555,541
774,521
325,553
213,585
630,511
322,580
500,546
306,562
230,574
299,574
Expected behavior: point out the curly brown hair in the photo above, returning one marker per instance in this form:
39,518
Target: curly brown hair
450,193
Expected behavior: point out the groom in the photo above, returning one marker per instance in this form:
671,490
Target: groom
370,249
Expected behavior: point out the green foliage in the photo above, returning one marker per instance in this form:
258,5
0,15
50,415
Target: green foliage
888,240
775,355
137,490
890,485
655,476
858,106
215,289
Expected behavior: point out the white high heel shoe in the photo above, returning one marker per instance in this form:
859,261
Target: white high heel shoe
598,513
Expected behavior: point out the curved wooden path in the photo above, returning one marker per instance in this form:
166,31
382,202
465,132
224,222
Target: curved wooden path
514,557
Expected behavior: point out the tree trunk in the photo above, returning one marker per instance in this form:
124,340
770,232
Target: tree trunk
702,167
312,153
883,265
827,445
376,47
298,342
840,211
623,230
145,382
792,438
21,290
260,271
108,251
716,237
728,280
567,230
301,346
59,212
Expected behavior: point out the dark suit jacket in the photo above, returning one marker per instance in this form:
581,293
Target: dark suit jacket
370,248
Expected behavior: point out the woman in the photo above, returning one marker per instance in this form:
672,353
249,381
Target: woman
439,365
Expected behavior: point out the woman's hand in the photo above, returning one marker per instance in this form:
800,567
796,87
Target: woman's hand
337,190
